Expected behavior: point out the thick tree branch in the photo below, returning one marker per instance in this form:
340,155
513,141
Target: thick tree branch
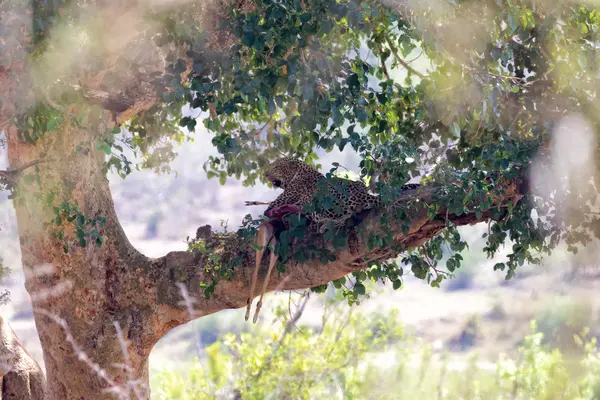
193,268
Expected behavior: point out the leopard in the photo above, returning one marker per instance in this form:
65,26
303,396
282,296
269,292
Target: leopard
337,200
302,183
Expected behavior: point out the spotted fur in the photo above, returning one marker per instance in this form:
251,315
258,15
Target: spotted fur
300,182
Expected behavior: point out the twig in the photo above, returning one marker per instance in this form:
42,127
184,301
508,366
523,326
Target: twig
524,82
257,131
189,302
286,331
9,174
99,371
290,305
130,378
290,301
338,334
58,107
417,57
401,61
4,124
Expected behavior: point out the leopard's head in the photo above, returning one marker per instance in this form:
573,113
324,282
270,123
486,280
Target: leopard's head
283,171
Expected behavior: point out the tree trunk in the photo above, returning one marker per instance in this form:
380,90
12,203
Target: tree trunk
21,378
78,296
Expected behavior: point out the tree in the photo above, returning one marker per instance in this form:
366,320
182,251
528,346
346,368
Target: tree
85,84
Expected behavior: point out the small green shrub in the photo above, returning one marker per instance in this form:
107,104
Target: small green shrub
562,319
468,336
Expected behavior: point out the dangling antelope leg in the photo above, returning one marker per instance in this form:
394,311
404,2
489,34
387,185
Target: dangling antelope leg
263,236
272,261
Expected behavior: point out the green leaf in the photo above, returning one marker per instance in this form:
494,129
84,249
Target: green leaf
307,92
191,125
338,118
513,22
271,107
52,125
28,179
104,147
455,129
339,283
359,288
184,121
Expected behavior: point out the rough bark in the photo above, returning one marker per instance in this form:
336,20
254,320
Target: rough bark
21,378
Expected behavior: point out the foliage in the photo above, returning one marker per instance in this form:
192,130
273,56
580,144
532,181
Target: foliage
347,359
87,229
3,273
562,319
66,219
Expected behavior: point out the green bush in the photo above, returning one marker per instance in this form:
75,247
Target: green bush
368,356
562,319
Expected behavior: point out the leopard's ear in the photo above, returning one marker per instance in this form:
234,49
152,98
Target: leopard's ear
282,153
